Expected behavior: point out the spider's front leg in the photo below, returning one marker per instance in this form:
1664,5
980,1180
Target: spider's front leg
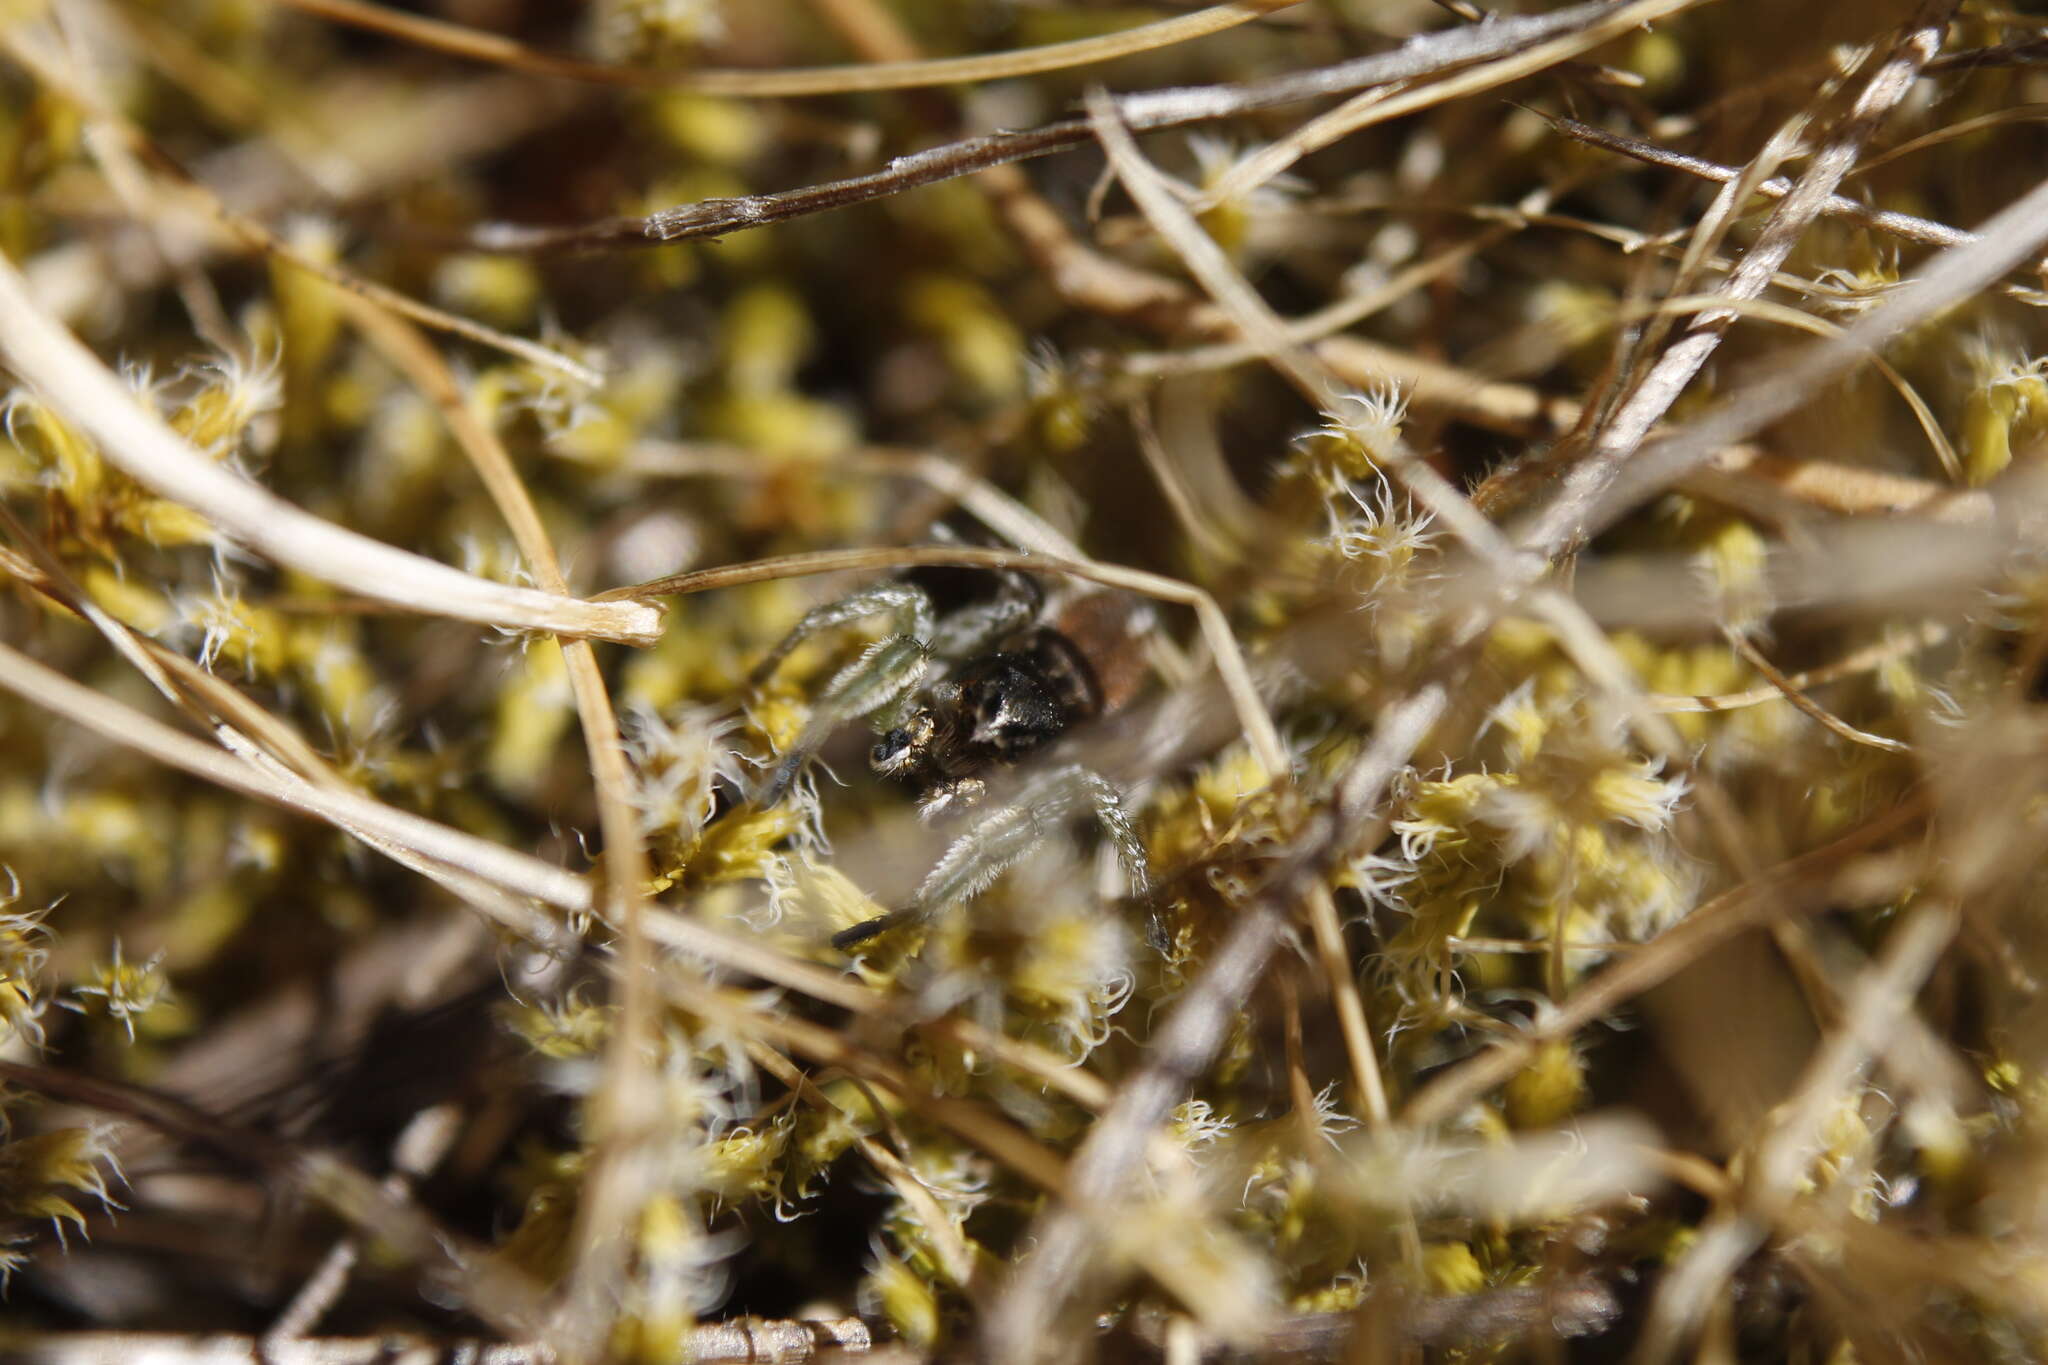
886,671
1004,837
979,626
906,603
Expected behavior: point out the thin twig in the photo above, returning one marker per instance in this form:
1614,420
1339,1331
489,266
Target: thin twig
262,740
628,1085
1797,885
1807,705
497,1292
975,1122
736,1340
1930,426
1150,111
1859,661
2012,235
1883,1001
1018,1326
419,1148
1371,107
992,507
61,78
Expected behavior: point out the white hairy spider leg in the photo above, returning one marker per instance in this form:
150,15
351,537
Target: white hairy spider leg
970,629
908,603
1006,836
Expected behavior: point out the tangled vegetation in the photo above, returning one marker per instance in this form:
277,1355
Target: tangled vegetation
1568,785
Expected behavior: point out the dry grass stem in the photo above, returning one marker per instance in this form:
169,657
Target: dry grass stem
476,45
78,385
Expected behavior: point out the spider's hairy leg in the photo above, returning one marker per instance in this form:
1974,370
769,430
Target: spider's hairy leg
886,671
1115,820
1004,837
976,628
906,602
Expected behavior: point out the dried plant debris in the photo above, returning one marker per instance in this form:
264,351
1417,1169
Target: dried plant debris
1271,681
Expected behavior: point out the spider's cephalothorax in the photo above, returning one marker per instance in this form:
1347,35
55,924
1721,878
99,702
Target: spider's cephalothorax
994,710
1013,686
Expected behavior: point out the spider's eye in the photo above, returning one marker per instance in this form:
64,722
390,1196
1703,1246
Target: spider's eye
891,752
985,702
905,747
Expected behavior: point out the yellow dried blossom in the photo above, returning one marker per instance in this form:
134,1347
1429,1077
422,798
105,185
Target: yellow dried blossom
121,989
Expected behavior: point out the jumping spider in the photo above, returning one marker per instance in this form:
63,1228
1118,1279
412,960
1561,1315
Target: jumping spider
1016,677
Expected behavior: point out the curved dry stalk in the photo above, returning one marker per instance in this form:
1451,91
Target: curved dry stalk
92,398
1261,327
1833,723
989,505
1997,118
476,45
1313,327
124,725
1944,450
1859,661
1211,535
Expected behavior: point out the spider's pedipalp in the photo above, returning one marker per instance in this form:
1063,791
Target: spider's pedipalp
886,671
